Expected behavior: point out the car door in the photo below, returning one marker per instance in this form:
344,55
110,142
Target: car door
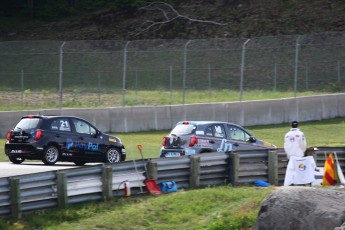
240,138
86,141
215,138
63,134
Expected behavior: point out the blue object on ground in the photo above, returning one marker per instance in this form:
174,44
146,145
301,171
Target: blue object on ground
261,183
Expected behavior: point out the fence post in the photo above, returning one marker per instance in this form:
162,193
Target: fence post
124,74
184,71
273,167
296,65
194,178
242,67
107,182
62,189
15,198
234,165
61,75
152,170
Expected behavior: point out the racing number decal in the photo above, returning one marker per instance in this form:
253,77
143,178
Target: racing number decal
64,125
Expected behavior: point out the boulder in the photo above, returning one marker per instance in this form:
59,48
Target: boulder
299,207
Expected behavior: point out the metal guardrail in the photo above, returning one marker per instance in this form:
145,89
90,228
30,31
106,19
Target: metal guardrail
25,193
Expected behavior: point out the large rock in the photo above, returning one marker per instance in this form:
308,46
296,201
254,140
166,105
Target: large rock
298,207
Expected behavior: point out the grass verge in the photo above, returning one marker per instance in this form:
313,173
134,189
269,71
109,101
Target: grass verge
212,208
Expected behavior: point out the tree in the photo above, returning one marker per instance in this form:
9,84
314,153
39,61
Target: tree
168,14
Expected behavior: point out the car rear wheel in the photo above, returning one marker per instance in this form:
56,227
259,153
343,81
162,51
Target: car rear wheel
16,160
51,155
113,156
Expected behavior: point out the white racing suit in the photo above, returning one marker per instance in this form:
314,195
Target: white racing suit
295,143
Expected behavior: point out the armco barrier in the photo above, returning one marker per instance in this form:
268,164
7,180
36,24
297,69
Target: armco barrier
246,113
25,193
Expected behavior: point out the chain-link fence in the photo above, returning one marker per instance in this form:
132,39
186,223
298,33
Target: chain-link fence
55,74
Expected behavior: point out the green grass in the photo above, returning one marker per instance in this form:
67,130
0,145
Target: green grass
220,207
330,132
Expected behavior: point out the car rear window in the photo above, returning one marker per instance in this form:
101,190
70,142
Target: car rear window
183,129
28,123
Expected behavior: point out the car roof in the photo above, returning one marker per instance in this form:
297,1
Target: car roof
204,122
49,116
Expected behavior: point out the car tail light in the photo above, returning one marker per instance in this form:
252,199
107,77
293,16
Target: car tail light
164,141
9,133
38,135
192,141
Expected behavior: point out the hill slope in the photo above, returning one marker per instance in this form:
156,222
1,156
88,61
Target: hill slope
239,18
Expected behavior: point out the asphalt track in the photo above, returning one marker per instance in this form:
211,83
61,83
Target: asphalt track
8,169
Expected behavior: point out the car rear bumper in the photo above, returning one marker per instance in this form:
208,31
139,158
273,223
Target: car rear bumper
23,150
171,153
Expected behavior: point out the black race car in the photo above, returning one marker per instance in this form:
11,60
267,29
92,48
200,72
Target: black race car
61,138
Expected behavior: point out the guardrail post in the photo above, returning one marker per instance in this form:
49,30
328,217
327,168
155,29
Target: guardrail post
273,167
16,211
194,179
234,165
107,182
62,189
152,171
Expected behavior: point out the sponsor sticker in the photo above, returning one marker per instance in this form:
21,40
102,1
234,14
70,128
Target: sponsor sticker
267,144
190,151
16,151
224,146
112,139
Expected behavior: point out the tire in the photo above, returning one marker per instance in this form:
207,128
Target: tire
51,155
17,160
113,156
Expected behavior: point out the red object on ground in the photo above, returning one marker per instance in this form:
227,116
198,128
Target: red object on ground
151,184
152,187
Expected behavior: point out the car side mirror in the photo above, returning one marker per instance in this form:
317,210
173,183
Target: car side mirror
252,139
95,134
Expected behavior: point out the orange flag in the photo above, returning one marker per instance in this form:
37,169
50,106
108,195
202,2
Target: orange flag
329,175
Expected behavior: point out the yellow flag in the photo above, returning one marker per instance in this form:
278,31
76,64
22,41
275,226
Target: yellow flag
329,175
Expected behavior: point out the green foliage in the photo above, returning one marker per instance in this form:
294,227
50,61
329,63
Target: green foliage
45,92
50,10
27,92
53,10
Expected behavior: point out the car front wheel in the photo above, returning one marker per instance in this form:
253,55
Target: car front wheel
113,156
16,160
50,155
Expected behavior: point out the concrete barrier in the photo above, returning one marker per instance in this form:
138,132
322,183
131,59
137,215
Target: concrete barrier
146,118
